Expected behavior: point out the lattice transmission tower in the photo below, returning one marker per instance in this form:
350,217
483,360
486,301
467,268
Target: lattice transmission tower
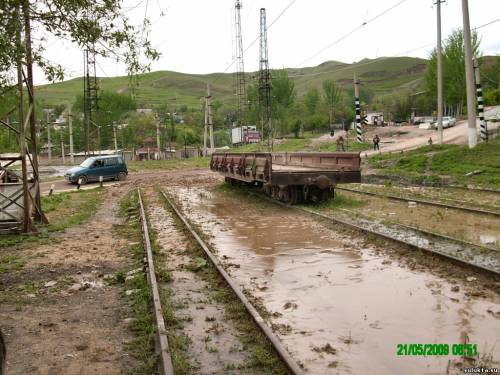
265,111
240,68
91,103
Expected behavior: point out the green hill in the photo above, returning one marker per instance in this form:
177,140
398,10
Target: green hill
382,76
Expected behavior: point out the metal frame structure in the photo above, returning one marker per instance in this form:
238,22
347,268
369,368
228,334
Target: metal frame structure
265,110
91,103
21,191
241,91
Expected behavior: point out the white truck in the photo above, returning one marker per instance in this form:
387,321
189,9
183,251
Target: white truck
245,134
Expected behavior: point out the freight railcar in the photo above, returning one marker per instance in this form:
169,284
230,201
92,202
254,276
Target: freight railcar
290,177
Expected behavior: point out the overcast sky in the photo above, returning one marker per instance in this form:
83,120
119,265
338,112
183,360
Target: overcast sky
196,36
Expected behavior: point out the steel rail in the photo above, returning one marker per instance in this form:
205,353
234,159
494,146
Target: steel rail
275,342
165,360
359,228
421,201
432,234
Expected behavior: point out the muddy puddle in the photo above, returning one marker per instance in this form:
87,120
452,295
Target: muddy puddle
479,229
337,302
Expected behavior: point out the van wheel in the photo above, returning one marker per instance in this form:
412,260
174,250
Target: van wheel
83,179
122,176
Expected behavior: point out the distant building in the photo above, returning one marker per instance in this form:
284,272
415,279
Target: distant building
375,118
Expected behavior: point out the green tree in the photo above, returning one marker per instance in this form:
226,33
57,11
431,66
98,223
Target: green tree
454,87
100,26
333,96
490,74
284,95
312,100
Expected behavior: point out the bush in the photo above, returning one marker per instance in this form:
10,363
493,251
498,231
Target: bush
492,97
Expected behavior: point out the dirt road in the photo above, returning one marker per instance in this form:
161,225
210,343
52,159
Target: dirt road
60,314
410,137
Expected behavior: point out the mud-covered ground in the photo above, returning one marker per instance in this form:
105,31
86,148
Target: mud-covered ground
340,302
60,313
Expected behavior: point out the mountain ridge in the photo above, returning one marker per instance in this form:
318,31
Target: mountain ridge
384,75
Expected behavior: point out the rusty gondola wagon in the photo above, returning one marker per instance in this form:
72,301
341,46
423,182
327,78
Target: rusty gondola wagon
290,177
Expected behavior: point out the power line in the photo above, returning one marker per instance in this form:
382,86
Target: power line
384,58
487,24
144,21
352,31
129,9
256,39
363,64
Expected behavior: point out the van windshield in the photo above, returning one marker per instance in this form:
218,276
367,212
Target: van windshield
87,163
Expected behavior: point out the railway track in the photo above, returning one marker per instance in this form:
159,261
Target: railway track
165,360
421,201
429,249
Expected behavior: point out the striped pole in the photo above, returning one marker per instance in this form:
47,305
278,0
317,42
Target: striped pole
359,129
480,103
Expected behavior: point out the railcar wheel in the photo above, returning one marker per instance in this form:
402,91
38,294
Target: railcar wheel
275,192
284,194
326,194
294,194
268,189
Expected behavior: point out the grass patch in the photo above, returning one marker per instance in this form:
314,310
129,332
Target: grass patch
63,210
142,347
450,161
285,145
9,263
353,146
169,165
341,201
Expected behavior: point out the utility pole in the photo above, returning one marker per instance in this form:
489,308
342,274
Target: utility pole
158,144
480,105
99,138
49,141
70,126
205,132
265,110
469,77
439,73
114,137
359,129
210,119
62,148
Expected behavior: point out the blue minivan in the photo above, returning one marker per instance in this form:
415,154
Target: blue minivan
111,167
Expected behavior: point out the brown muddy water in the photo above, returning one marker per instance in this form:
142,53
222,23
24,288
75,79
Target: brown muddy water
339,303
